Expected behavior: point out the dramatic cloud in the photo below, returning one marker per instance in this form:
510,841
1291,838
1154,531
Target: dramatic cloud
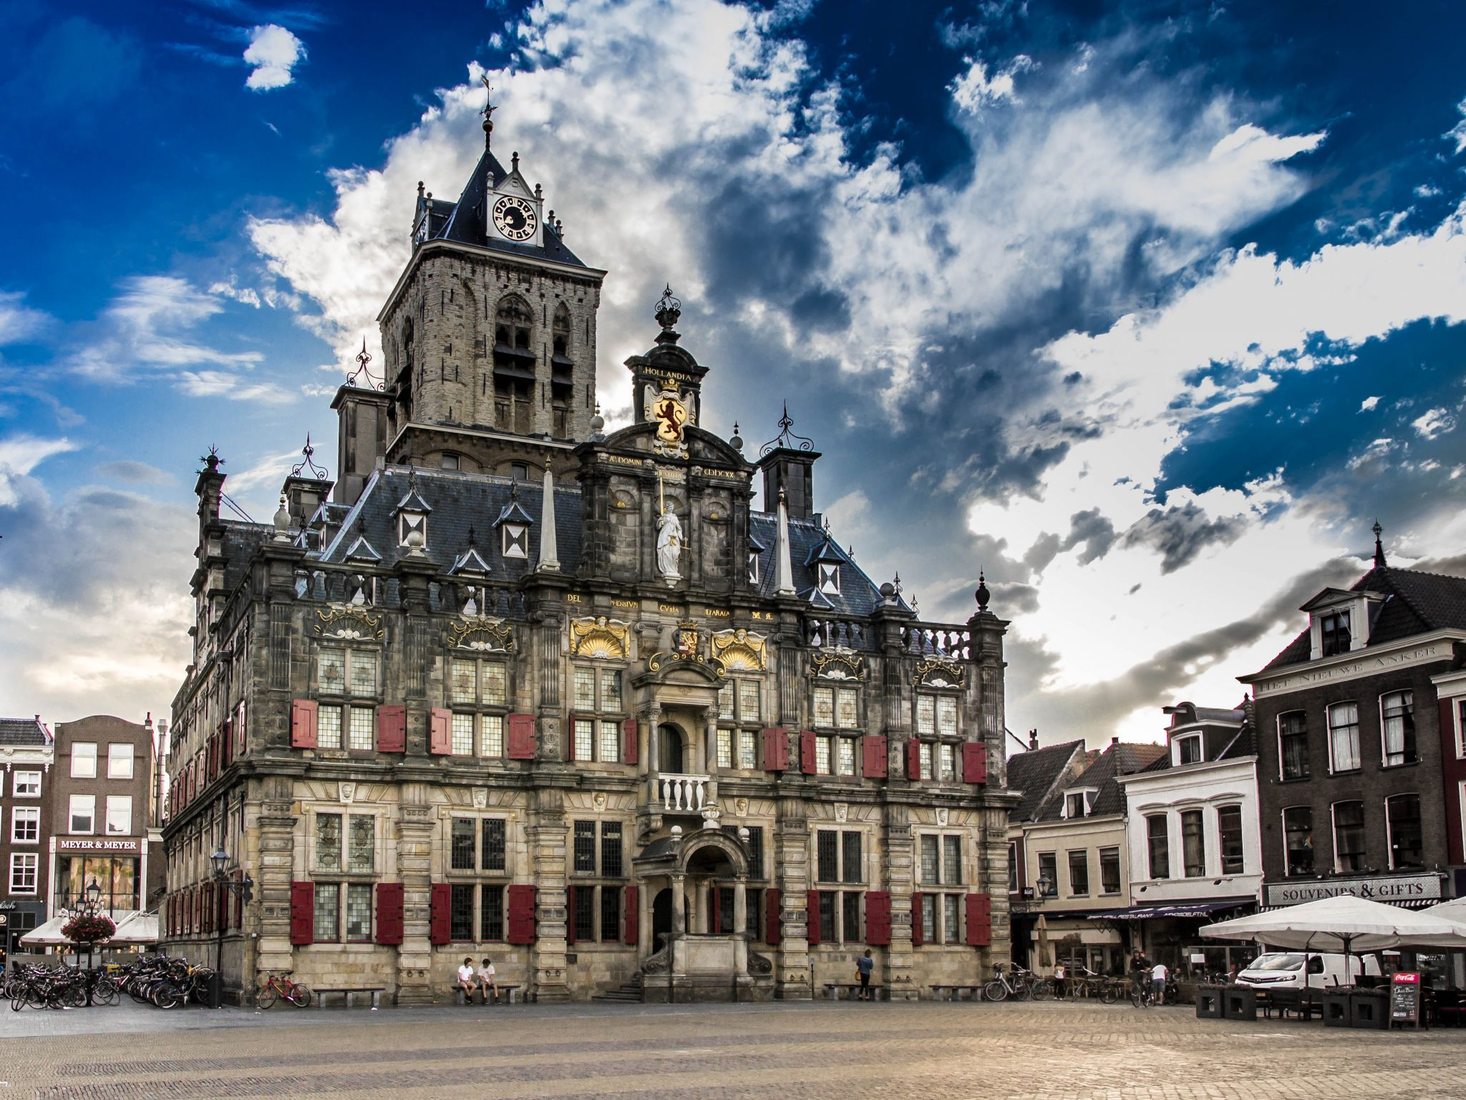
19,455
274,52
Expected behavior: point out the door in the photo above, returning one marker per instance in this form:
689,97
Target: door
661,918
669,749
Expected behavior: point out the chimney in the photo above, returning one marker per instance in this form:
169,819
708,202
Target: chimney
1032,740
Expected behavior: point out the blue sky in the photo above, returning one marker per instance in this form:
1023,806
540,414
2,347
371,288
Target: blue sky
1146,309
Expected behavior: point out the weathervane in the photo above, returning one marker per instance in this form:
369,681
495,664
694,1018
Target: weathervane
786,437
489,107
364,357
309,451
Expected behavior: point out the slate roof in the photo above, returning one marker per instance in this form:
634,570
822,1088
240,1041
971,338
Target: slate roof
23,731
466,220
1109,798
1415,603
1032,775
808,545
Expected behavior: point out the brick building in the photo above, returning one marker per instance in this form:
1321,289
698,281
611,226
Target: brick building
26,754
510,685
1359,746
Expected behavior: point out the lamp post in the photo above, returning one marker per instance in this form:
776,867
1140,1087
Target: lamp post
89,904
244,888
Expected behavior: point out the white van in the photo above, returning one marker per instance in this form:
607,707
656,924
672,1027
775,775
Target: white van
1297,969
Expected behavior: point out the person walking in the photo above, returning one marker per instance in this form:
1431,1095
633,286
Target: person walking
863,967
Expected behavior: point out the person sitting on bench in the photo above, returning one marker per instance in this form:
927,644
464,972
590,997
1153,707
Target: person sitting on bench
488,981
466,981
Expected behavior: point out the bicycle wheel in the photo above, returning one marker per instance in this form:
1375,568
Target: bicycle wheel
300,994
1109,994
1022,991
266,997
1042,990
106,993
166,995
995,991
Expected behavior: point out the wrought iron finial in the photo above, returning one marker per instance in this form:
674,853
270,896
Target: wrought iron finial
489,107
982,593
212,461
363,357
1379,549
787,437
669,309
308,463
472,537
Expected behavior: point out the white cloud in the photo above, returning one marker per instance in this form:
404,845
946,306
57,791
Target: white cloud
212,383
19,455
274,52
1369,403
18,322
976,89
1433,422
1457,133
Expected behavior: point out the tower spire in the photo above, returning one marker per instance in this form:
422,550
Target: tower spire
1379,550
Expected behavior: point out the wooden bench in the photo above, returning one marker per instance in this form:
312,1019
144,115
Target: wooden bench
956,992
509,992
347,990
833,990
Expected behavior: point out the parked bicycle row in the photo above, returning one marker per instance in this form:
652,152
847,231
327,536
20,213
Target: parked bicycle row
160,980
1015,983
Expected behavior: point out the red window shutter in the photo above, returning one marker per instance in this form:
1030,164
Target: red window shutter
570,739
773,917
873,748
776,749
979,920
392,728
812,917
570,915
631,914
521,906
239,900
916,937
303,723
630,734
974,762
522,738
302,913
226,743
440,908
877,918
913,759
389,912
440,731
806,752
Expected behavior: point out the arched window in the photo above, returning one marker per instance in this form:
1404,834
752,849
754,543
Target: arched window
562,368
514,364
513,325
405,374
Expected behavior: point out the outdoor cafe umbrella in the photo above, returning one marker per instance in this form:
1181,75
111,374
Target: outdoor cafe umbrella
1342,923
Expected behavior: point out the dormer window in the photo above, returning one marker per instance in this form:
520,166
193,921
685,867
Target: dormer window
829,582
753,567
407,523
1188,749
516,540
449,461
1333,629
1076,804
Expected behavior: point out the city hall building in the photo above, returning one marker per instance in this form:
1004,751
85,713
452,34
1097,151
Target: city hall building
512,686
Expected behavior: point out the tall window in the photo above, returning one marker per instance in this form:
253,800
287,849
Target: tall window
1109,870
83,813
1158,845
478,872
1079,872
1012,866
1402,813
478,694
1333,631
119,814
346,681
1229,836
1293,745
345,845
1048,875
23,872
1348,836
598,873
941,865
1344,737
839,858
119,760
936,726
514,364
1298,840
1193,844
598,713
1397,717
25,825
740,717
26,784
83,760
837,723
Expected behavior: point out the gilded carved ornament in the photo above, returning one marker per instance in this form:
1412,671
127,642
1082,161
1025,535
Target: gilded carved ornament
481,634
838,666
349,623
687,648
600,637
740,650
937,673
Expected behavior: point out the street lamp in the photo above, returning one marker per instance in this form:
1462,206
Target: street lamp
244,888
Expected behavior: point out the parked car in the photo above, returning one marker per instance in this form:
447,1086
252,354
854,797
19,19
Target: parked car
1300,969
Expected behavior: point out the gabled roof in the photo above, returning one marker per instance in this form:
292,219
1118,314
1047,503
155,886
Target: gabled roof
24,731
1414,603
1034,775
1117,759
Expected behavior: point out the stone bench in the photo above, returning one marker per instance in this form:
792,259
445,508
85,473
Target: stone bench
346,991
956,992
834,990
508,991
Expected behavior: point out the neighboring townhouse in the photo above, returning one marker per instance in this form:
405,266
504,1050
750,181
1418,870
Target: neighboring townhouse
1192,837
26,753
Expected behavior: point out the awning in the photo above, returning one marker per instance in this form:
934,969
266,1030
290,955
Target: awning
1195,910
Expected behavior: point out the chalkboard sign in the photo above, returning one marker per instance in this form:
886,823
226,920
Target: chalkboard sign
1405,999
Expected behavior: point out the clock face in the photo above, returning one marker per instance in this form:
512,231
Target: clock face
514,218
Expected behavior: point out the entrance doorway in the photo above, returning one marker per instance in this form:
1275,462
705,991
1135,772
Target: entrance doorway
661,918
669,751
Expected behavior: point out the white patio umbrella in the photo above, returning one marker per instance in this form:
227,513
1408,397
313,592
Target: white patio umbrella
1342,923
136,928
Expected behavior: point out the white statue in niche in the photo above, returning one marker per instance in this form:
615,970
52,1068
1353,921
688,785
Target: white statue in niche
669,545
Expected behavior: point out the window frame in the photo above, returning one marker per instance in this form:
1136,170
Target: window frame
72,803
1232,863
115,757
16,790
78,756
738,731
114,805
1079,887
1333,731
1052,859
1193,842
1300,735
1390,845
32,816
19,861
1105,855
346,719
1358,855
1289,870
1151,838
1409,736
1189,742
597,887
1335,632
605,720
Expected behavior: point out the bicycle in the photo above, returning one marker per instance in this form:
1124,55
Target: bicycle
1020,988
1142,994
282,986
1084,983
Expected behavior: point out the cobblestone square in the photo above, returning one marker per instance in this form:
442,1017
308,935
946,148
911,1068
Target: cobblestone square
1049,1051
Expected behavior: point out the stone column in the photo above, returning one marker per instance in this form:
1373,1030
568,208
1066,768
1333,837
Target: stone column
545,831
740,905
414,840
679,905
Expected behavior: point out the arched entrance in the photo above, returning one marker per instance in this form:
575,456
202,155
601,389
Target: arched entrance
670,748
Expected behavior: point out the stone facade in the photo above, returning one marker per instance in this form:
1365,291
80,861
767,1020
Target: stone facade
570,701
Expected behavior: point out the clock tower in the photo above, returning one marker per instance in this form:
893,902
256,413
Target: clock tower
488,340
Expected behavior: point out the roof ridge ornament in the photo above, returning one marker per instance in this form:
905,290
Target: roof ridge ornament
363,357
489,109
318,472
1379,550
668,313
787,437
